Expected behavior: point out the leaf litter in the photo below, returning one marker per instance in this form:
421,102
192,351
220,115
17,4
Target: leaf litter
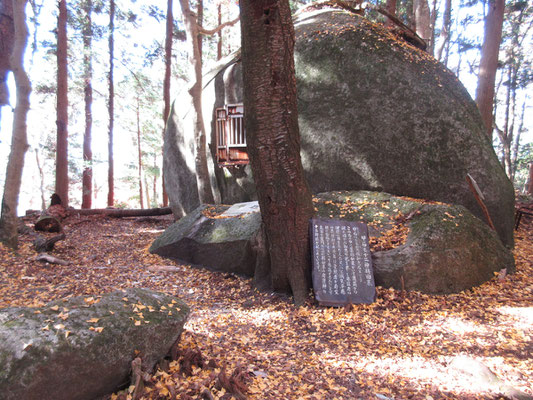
240,343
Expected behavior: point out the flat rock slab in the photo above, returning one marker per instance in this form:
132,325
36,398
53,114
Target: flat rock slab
82,348
446,250
210,238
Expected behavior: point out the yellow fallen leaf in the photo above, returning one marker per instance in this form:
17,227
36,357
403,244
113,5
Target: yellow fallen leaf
67,334
99,329
93,320
46,328
59,326
137,323
54,308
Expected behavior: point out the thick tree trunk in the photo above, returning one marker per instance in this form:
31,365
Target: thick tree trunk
111,108
445,32
489,62
87,178
19,142
166,82
205,191
271,120
61,186
7,31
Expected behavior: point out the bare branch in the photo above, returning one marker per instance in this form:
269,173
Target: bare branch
209,32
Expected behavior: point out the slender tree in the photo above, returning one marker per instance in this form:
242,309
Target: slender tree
87,33
166,83
19,142
445,34
422,18
390,7
271,121
489,62
139,150
194,29
61,186
111,108
7,31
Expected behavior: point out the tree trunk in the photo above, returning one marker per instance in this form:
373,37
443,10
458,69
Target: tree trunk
19,141
489,62
433,22
219,34
391,9
61,186
271,120
41,179
205,191
166,82
111,109
422,20
445,31
87,179
139,152
530,181
7,32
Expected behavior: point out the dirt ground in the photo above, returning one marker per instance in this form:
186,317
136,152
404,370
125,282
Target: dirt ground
240,343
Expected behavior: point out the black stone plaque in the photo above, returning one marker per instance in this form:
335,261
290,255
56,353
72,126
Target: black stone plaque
342,263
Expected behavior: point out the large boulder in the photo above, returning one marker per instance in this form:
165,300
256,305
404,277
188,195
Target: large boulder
445,248
82,348
375,113
206,237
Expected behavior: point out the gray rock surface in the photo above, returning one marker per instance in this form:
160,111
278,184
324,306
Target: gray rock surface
221,243
374,114
447,249
60,352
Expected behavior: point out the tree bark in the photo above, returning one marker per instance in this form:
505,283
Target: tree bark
7,31
61,186
219,33
422,20
205,191
445,31
139,152
530,181
391,9
166,82
271,120
19,141
111,108
489,62
87,179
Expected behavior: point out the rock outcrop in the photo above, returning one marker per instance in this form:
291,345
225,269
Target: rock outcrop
446,249
374,114
82,348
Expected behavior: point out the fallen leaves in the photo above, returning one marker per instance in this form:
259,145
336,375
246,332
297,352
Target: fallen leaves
238,340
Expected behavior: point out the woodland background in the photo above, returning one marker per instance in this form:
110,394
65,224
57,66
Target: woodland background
131,45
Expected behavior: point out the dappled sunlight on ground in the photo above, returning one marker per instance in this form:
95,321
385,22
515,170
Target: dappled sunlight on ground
260,345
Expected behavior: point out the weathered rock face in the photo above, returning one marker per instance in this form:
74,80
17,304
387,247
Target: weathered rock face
447,249
221,243
59,351
374,114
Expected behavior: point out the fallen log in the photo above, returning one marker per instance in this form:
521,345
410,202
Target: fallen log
123,212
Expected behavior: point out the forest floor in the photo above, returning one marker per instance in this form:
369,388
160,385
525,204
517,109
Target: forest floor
248,344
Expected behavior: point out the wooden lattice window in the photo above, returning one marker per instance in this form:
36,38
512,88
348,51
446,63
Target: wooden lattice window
230,135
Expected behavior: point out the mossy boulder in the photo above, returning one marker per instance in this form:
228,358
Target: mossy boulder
416,245
374,113
446,250
206,237
82,348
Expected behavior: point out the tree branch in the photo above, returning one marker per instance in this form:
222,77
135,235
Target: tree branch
209,32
